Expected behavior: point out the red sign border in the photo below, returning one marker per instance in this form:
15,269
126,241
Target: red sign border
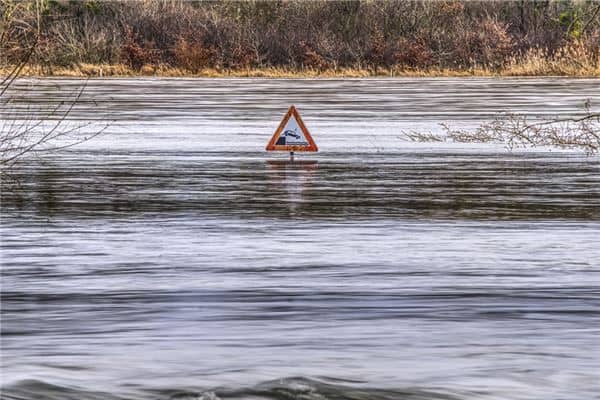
271,146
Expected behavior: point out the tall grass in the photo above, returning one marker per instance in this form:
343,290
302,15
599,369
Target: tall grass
174,37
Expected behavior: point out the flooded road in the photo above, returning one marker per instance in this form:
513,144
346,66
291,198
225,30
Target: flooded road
172,258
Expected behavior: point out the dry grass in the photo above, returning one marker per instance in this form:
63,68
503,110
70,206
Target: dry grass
532,65
572,60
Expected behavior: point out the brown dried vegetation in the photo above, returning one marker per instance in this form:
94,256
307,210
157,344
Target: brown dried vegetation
393,36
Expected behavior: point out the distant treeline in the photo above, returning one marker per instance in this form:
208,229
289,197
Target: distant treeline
305,35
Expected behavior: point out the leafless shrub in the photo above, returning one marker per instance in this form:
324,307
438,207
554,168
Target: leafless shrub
571,133
311,59
413,54
519,131
136,51
193,55
485,133
31,131
418,136
28,130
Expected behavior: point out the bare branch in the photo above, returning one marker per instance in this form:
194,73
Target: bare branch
514,130
31,131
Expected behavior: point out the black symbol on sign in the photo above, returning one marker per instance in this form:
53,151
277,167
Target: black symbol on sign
289,132
293,133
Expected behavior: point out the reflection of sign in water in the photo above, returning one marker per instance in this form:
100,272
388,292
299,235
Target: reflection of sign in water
292,181
292,135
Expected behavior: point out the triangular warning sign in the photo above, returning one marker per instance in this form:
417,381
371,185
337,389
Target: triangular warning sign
291,134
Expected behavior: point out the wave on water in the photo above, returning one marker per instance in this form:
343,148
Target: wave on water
281,389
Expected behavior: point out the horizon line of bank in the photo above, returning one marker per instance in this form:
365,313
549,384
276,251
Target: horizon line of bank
123,71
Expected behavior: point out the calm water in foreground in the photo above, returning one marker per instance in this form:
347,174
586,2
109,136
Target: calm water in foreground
170,259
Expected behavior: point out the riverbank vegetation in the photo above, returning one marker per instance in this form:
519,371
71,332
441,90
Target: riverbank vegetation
301,38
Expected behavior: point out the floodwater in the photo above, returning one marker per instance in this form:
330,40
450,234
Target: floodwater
172,258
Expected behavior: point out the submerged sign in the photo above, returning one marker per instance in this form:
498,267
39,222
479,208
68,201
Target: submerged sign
292,135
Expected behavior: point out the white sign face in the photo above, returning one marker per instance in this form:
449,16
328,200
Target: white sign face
292,134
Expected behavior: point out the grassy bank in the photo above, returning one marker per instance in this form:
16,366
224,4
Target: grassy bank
301,38
122,71
569,62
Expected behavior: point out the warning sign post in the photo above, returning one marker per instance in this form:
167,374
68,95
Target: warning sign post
291,135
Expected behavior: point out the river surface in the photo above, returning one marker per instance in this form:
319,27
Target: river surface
172,258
